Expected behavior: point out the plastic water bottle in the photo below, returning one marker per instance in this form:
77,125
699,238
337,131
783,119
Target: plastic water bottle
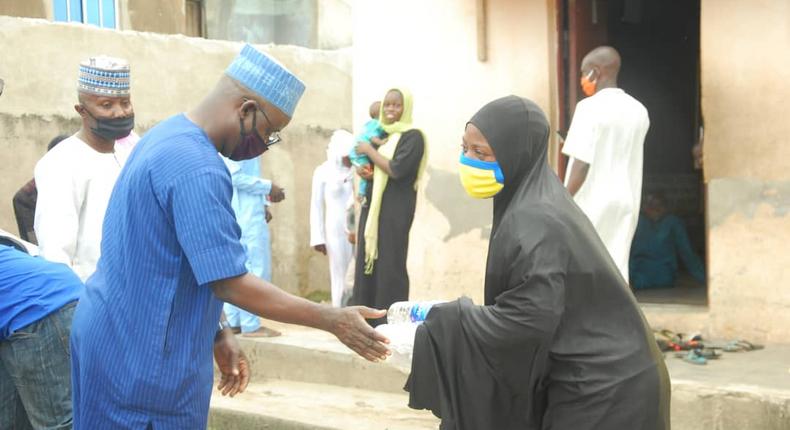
401,344
409,312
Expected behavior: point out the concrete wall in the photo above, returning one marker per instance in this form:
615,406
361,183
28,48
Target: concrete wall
169,75
26,8
335,24
431,48
161,16
745,87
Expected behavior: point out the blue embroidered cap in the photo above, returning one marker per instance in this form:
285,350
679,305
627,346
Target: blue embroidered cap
268,78
104,76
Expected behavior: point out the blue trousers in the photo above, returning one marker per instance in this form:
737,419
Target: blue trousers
238,317
256,240
35,374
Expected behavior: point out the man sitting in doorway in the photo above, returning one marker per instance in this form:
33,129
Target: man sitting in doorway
660,241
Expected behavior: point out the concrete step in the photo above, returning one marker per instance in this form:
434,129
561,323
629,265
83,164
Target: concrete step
307,355
296,378
289,405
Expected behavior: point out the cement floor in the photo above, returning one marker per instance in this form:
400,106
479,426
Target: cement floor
685,292
768,368
306,380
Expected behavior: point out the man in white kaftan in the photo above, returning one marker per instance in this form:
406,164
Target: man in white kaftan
332,191
605,143
75,179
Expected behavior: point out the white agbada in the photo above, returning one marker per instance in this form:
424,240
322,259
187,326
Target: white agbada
332,190
608,132
74,184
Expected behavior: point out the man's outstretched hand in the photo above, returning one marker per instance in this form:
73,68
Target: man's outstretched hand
349,325
233,365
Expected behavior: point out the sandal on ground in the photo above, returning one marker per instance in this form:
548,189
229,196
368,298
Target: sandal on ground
692,357
741,345
708,353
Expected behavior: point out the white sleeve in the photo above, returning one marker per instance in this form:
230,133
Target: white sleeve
580,143
57,216
317,224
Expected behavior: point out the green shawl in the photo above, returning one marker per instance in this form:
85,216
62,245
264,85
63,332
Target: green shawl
380,178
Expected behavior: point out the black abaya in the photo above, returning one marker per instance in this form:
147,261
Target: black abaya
389,282
561,342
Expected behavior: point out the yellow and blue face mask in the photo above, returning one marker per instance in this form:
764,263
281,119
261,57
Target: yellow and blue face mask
481,179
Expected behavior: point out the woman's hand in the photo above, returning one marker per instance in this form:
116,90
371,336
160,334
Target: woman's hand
364,148
365,172
378,141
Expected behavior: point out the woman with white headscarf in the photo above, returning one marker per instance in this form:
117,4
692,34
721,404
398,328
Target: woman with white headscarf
332,191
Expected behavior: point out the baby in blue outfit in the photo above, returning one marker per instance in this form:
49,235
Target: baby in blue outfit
371,133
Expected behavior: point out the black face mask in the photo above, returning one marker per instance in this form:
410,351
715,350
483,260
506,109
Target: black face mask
251,144
112,128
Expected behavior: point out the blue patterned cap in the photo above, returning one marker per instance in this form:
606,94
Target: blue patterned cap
104,76
266,77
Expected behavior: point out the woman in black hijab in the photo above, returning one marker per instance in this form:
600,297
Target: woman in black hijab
560,343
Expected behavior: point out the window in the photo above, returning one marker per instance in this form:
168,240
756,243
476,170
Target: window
101,13
283,22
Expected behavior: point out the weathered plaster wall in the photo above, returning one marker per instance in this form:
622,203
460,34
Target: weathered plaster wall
745,87
26,8
170,74
431,48
161,16
335,25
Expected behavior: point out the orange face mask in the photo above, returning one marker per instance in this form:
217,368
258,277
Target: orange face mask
588,86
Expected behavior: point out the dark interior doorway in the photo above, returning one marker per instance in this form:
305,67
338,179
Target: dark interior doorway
659,44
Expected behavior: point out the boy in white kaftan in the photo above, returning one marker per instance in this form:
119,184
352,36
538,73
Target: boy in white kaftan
608,133
332,191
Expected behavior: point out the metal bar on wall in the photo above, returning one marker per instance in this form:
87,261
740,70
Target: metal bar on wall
482,31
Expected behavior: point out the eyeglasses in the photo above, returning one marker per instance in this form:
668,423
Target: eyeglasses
274,137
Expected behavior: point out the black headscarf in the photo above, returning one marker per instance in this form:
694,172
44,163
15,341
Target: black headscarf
560,342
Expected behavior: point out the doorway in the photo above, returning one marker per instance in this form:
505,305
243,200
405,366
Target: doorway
658,41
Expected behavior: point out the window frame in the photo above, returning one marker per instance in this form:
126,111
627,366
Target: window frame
83,14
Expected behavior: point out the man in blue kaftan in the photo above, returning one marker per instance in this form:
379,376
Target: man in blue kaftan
660,242
149,321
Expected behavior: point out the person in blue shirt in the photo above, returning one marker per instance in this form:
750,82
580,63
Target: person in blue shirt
660,242
146,328
251,198
37,300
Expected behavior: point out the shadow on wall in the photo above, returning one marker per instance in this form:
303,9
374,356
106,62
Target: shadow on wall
464,214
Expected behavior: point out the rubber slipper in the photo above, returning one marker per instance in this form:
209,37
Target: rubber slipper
708,353
692,357
748,346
